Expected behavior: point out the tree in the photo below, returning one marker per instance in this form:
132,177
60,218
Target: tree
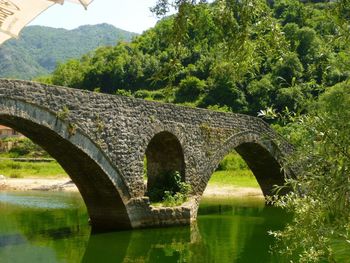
320,200
290,11
261,94
189,89
69,74
287,70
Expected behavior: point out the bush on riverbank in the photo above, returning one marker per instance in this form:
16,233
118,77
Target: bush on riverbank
233,170
23,148
232,162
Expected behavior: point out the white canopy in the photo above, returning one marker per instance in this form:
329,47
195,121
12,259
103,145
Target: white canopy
15,14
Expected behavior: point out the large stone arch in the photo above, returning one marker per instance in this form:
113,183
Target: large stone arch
99,182
261,154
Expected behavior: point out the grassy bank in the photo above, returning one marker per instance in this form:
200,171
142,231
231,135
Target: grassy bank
242,178
232,171
13,169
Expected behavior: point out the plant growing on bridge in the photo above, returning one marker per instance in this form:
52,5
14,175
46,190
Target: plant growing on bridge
99,123
72,129
63,113
170,191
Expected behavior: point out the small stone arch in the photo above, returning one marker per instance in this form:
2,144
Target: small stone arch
99,183
164,154
260,153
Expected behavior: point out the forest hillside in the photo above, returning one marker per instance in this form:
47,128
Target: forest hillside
39,49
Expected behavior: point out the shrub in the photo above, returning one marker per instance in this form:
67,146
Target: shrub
24,147
232,162
142,94
15,175
189,90
123,92
171,190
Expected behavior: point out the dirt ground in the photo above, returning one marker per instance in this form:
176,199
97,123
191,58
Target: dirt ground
26,184
63,184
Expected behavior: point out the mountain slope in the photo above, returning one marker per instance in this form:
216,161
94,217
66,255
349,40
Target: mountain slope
39,49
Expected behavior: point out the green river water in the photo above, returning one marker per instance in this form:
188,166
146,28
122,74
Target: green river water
52,227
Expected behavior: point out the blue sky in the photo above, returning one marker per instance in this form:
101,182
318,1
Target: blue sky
131,15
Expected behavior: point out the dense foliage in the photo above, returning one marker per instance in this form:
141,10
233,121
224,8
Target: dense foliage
239,56
232,162
39,49
320,201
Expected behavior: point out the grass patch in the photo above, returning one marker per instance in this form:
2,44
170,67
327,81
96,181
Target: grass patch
242,178
233,171
15,169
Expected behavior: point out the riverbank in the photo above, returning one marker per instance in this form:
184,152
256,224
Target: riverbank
27,168
64,184
37,184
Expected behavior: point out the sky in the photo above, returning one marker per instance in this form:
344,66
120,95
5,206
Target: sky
130,15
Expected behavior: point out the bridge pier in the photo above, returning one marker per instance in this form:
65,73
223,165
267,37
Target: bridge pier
143,215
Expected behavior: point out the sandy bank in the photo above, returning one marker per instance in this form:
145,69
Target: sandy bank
40,184
231,190
64,184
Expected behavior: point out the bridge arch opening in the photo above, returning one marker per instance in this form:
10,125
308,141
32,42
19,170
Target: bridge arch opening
233,177
242,173
104,203
265,167
20,157
257,159
164,164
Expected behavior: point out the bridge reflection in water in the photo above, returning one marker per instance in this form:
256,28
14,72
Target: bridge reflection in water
227,230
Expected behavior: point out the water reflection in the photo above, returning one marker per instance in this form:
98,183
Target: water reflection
229,230
52,229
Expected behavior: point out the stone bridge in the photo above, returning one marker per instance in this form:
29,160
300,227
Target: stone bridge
101,142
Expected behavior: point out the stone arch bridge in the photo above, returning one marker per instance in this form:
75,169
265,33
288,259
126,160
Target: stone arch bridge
101,142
